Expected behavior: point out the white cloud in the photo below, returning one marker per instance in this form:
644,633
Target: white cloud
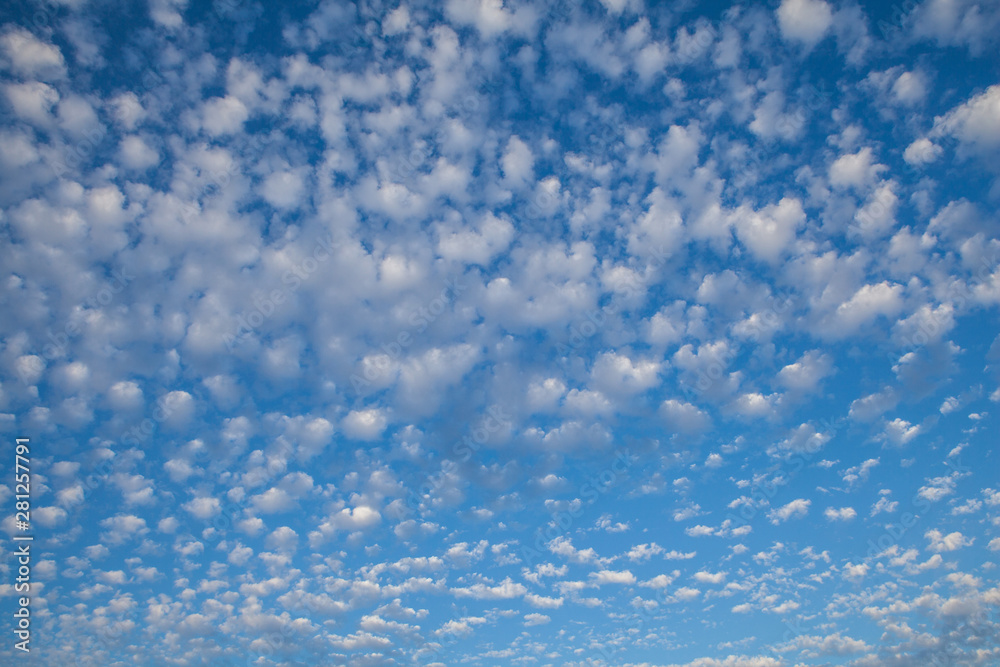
137,154
488,16
285,189
805,21
856,170
223,115
620,375
855,572
478,246
27,55
397,21
351,519
517,163
767,233
710,577
49,516
167,13
643,552
975,123
683,416
878,215
535,619
910,88
900,432
505,590
806,373
364,424
272,501
612,577
842,514
543,602
203,507
686,594
869,302
940,542
796,509
570,224
122,527
922,151
957,23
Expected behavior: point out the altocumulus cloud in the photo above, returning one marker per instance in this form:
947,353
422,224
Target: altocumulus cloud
426,333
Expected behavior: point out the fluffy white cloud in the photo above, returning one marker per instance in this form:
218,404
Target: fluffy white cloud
684,416
364,424
806,373
841,514
29,56
940,542
922,151
975,123
505,590
769,231
260,302
612,577
805,21
796,509
856,170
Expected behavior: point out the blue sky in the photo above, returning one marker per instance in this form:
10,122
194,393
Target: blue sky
495,332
